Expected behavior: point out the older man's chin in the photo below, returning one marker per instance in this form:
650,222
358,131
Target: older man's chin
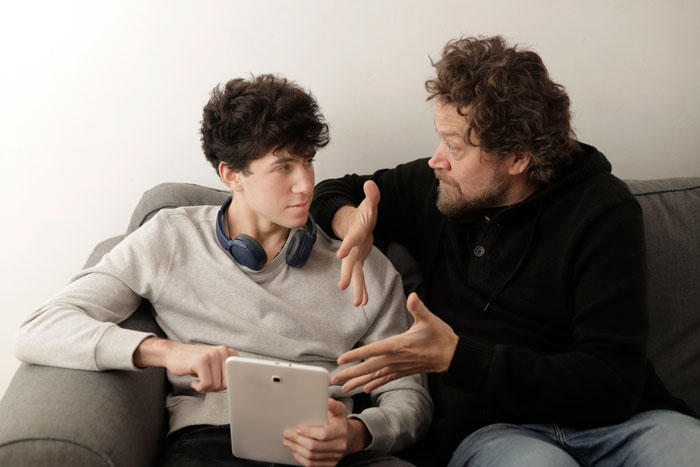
451,204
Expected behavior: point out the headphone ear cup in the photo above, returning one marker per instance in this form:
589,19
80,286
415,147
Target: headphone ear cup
299,248
295,248
248,252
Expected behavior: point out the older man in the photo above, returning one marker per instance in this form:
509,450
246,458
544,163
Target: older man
532,316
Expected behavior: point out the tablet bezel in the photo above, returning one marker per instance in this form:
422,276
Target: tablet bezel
265,398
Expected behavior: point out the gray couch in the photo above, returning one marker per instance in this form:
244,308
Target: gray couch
57,417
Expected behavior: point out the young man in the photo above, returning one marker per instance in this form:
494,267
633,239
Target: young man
534,323
252,278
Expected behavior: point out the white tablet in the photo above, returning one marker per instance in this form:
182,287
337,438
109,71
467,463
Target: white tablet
267,397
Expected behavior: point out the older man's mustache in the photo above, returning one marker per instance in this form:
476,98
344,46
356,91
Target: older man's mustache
444,178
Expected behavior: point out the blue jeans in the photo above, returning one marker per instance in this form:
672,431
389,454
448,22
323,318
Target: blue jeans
655,438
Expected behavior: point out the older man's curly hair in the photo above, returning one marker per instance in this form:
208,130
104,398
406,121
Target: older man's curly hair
249,118
509,100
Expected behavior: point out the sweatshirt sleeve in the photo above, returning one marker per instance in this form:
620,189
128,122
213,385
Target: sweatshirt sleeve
78,327
402,409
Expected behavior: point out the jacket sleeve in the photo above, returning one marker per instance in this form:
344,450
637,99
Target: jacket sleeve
599,379
78,327
402,409
402,193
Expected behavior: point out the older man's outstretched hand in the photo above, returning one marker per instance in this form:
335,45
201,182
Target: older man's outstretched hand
427,347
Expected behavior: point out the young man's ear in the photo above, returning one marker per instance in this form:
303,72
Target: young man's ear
519,163
230,177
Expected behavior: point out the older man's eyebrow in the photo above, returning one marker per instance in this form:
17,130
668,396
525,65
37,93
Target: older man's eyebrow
448,133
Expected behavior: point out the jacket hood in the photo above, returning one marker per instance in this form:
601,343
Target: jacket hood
586,163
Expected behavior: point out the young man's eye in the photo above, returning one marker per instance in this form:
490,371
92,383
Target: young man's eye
310,161
282,168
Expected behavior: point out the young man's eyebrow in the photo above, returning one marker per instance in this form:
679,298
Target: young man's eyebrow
284,159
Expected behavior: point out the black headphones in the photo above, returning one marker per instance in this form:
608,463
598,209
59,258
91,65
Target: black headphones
248,252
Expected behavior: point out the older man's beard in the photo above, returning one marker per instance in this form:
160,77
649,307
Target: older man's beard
454,203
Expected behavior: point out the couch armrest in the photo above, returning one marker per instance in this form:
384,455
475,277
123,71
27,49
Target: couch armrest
57,416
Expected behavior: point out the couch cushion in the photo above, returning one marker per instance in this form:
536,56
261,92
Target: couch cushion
671,210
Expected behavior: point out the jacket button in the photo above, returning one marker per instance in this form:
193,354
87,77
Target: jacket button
479,251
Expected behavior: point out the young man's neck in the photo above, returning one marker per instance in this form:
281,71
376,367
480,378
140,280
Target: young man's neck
240,219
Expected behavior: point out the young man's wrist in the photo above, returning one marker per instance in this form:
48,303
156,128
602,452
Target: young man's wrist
360,437
151,352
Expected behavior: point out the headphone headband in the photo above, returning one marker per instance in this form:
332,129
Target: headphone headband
249,253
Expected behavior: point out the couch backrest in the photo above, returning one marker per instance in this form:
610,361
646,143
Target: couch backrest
173,195
671,210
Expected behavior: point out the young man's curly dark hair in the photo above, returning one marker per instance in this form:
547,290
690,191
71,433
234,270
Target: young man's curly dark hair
509,100
249,118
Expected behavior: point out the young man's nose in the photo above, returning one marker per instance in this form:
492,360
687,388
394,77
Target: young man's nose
303,182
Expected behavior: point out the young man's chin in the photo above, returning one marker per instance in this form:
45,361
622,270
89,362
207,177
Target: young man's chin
296,221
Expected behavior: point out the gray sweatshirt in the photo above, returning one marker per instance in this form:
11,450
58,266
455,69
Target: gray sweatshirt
202,296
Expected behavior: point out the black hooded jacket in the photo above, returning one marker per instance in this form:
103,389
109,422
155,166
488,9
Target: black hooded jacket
548,296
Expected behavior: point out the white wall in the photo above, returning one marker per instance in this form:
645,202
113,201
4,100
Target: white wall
102,100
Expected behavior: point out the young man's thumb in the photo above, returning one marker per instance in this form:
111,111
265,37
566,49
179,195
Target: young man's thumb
336,409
